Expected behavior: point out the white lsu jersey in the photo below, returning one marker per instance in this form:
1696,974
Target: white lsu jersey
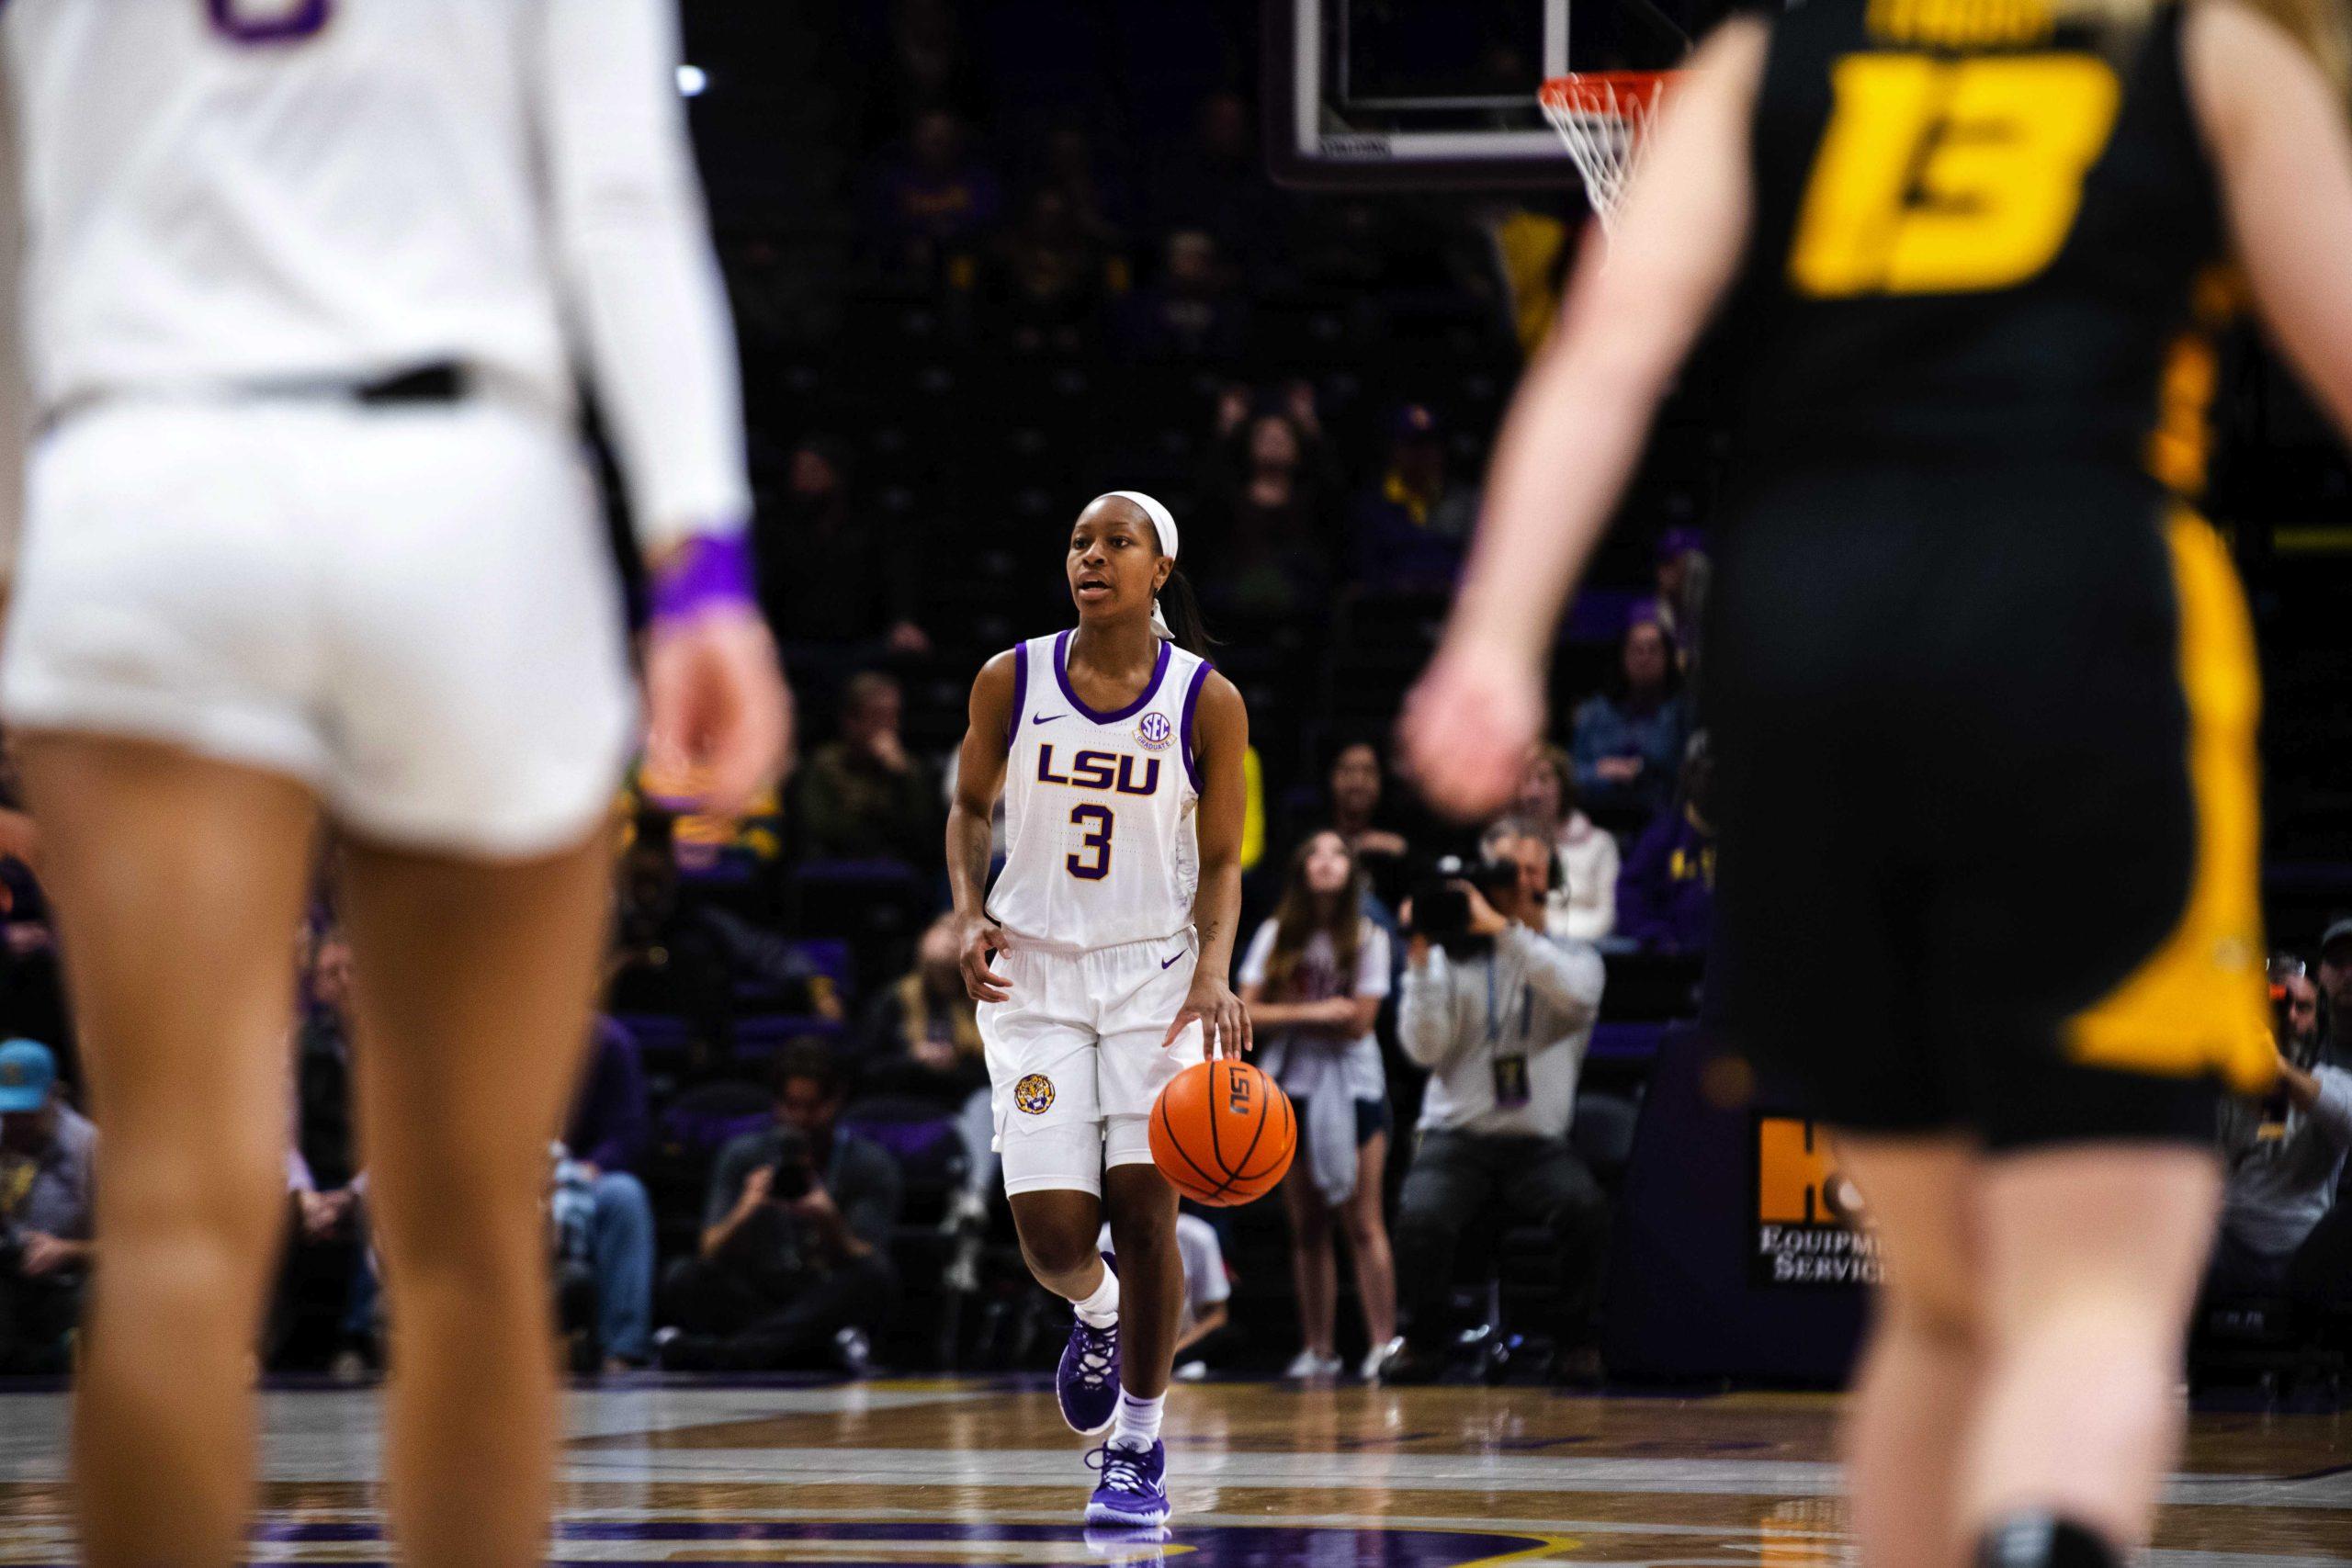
1101,844
224,196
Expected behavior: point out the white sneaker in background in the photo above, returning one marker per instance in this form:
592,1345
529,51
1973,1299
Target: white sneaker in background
1369,1369
1308,1364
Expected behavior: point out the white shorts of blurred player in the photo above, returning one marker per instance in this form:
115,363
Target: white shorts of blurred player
1074,1059
411,609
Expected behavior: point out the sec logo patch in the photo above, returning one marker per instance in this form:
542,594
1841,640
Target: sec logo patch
1155,732
1033,1093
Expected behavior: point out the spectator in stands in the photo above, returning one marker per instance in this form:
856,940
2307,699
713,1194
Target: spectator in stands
2282,1231
1208,1287
1216,184
1356,788
829,579
1501,1019
933,212
326,1295
605,1139
794,1267
691,959
1313,979
1055,278
1191,309
1408,529
1680,563
1262,504
1097,202
2336,987
1583,903
47,1157
1627,740
862,795
920,1036
1666,894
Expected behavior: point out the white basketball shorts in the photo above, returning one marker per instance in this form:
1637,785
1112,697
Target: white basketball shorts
411,609
1074,1059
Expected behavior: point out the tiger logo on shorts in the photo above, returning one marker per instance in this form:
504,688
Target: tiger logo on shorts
1033,1094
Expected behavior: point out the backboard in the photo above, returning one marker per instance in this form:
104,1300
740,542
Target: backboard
1407,94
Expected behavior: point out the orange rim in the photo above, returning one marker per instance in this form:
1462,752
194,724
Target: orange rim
1607,92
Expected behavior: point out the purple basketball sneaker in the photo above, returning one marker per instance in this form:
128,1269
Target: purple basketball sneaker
1131,1494
1087,1382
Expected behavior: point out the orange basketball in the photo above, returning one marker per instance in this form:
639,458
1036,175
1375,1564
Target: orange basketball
1223,1132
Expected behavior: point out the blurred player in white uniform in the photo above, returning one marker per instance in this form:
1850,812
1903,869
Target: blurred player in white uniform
309,540
1119,752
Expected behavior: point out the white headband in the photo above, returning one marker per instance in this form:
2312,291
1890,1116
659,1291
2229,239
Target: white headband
1163,522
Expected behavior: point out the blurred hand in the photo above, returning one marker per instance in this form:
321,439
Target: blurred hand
719,714
1618,770
815,1206
905,636
936,1056
1225,1022
887,750
756,1190
1468,725
1485,918
980,938
45,1254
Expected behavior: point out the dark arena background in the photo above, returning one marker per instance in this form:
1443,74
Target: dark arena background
1280,265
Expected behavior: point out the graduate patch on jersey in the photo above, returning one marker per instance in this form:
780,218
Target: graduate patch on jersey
1033,1094
1155,732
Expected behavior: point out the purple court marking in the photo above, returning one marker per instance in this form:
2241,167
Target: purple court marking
1210,1546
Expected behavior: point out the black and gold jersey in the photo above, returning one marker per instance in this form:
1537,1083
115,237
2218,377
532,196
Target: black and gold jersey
1979,233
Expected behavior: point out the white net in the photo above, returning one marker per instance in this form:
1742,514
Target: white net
1605,118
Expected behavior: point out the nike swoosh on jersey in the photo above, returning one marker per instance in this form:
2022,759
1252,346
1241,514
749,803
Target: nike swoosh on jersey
1166,961
1045,718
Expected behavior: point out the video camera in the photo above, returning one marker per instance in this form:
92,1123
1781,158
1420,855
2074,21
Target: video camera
1441,910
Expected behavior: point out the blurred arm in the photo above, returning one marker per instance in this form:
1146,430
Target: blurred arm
645,290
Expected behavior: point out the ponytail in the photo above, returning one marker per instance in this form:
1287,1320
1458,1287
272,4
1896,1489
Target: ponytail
1182,611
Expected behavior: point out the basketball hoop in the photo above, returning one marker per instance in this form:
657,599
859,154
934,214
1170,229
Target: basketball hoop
1604,117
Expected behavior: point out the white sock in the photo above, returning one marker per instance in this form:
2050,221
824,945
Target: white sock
1138,1423
1101,1309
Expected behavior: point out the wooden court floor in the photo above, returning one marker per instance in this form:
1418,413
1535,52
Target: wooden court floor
981,1471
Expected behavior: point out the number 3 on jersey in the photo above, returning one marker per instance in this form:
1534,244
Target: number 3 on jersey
1096,863
1942,175
267,21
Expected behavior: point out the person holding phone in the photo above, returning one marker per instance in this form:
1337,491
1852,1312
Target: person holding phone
794,1268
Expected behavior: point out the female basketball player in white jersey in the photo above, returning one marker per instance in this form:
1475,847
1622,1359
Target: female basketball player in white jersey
1099,960
310,542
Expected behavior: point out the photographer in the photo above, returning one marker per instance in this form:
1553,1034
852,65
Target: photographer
2282,1231
794,1269
1500,1014
47,1152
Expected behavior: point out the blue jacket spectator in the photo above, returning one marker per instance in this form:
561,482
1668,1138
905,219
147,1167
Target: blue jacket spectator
48,1158
1627,742
605,1135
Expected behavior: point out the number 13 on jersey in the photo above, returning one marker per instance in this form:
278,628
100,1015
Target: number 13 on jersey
1941,176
